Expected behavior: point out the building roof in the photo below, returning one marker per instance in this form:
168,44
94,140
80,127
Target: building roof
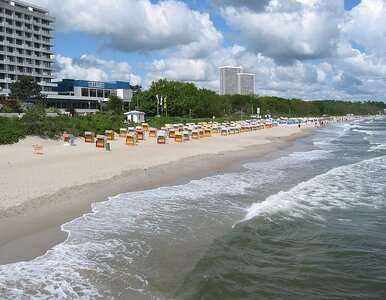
134,112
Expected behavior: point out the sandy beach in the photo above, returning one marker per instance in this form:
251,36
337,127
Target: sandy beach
39,193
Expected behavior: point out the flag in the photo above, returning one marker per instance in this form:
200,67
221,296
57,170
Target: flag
165,106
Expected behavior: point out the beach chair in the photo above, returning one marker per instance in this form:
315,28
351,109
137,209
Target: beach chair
186,135
100,141
131,139
207,132
161,137
178,137
140,135
123,132
145,127
195,134
224,131
201,133
152,133
89,137
110,135
172,133
66,139
131,130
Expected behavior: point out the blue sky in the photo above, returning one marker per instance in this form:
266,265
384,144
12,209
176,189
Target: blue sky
311,49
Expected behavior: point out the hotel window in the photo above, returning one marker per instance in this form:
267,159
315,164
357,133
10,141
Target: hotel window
84,92
92,92
107,93
100,93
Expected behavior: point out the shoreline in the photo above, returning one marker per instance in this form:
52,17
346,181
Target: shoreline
25,240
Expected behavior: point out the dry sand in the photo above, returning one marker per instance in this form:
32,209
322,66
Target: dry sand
39,193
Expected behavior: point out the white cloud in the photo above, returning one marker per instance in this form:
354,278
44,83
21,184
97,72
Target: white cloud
290,30
138,25
311,49
88,67
297,80
366,26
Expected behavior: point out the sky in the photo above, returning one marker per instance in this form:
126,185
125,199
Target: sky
308,49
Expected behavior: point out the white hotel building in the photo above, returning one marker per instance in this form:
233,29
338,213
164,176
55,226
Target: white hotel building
245,83
25,45
234,81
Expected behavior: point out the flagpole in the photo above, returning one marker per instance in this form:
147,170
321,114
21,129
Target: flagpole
156,96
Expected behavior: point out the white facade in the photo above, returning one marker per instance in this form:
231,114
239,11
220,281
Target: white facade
228,80
124,94
25,45
234,81
245,83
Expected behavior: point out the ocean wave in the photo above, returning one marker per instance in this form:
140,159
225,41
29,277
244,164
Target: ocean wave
293,159
340,187
377,148
370,132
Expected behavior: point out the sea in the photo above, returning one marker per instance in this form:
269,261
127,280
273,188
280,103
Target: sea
306,222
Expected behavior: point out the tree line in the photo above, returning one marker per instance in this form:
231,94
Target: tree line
181,99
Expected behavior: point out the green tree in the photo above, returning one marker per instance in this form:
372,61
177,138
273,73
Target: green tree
25,89
115,104
34,119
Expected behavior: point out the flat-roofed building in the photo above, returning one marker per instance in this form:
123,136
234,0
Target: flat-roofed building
228,80
25,45
234,81
246,83
87,96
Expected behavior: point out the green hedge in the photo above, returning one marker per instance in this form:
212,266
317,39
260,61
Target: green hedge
34,122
